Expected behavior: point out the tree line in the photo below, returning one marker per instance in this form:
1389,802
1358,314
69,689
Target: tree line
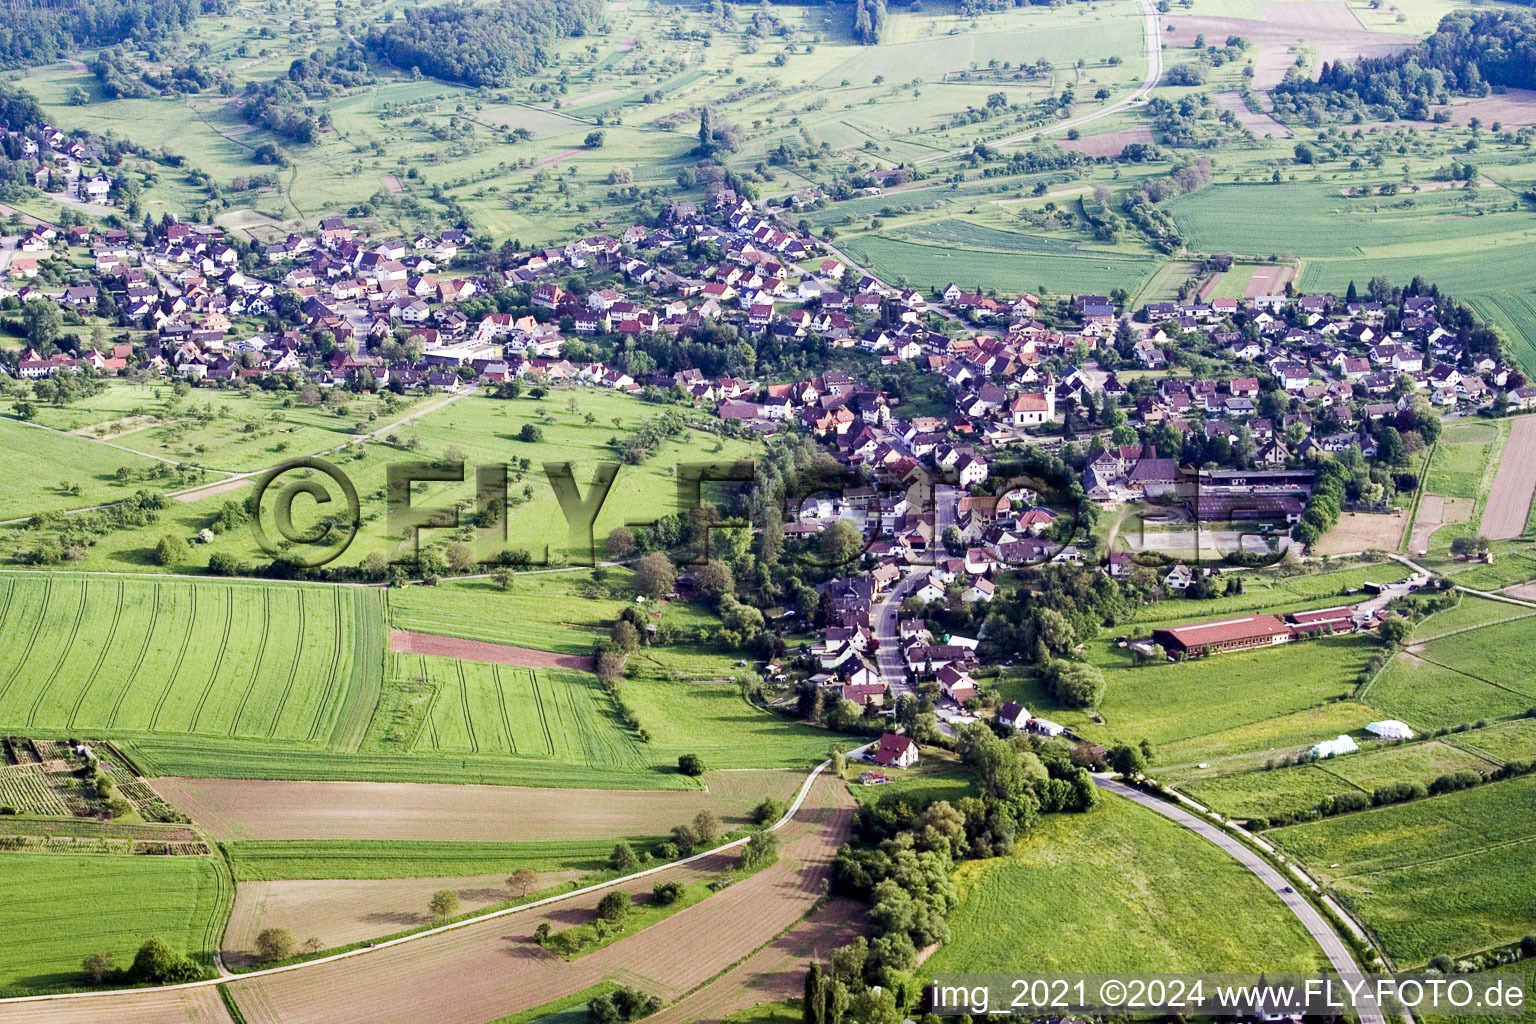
283,104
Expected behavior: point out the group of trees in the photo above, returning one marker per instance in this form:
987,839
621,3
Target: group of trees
902,857
156,963
868,20
1468,53
37,33
121,74
478,46
284,105
1141,205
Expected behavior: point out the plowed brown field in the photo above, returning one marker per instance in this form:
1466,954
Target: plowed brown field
774,973
403,641
1509,502
342,911
492,969
188,1006
268,809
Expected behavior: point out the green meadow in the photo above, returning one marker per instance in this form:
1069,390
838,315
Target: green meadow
1118,889
48,897
266,860
1461,884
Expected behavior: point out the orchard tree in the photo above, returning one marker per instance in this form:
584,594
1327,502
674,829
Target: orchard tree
444,904
275,944
522,881
654,575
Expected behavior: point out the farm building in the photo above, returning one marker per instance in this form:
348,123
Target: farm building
895,751
1340,619
1223,635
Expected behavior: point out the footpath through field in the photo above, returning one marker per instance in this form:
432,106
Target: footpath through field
488,967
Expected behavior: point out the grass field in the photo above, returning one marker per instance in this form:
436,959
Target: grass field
443,706
1216,707
57,908
219,429
1427,695
266,860
1511,741
477,429
1471,613
560,612
174,671
716,722
1296,789
1462,884
43,464
1118,889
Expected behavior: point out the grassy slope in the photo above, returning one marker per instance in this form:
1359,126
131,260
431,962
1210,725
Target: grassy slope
1119,889
1444,875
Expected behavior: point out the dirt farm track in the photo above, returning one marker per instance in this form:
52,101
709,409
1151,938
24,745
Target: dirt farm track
492,968
1509,503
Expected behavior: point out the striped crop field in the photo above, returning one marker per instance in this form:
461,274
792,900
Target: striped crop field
544,714
108,656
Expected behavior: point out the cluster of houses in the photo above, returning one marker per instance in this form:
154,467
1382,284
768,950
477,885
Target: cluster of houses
54,160
1012,371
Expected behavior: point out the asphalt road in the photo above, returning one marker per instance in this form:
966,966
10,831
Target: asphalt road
886,623
1339,955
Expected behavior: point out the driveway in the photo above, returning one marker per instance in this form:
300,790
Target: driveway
1340,958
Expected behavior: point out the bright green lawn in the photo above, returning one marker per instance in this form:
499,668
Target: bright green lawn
1427,695
1470,613
1182,706
42,464
1511,741
1118,889
1450,874
57,908
131,657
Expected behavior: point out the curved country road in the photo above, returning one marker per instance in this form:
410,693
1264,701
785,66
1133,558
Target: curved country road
1339,955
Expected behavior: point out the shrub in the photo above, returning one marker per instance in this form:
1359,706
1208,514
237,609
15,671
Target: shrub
157,963
98,967
1343,803
691,764
623,857
667,893
1455,781
172,550
761,850
275,944
614,907
769,811
1398,792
